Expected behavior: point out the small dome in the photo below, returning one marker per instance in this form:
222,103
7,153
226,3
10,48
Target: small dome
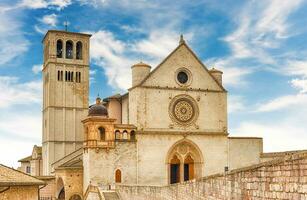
213,70
98,109
141,64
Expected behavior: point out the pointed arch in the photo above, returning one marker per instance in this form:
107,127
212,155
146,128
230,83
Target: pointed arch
191,161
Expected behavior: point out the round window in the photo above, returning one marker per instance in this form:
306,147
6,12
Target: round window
182,77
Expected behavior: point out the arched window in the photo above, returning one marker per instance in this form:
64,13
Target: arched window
125,135
117,135
59,49
79,50
175,170
69,49
188,168
102,133
118,176
132,135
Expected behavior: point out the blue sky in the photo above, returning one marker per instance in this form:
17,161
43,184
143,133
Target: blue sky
261,46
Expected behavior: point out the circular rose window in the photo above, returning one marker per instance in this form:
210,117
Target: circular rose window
183,77
183,110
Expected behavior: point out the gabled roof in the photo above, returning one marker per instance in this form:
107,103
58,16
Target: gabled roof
12,177
182,43
26,159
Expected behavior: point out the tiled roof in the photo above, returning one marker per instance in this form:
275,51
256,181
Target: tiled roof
11,177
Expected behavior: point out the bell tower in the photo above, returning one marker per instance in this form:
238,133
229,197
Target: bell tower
65,94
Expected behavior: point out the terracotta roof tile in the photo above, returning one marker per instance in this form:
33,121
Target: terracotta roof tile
10,177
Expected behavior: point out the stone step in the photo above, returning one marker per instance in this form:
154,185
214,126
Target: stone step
111,196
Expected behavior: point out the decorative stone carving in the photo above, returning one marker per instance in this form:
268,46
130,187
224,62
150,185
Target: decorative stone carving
183,110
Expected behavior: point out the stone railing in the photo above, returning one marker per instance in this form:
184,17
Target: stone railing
282,178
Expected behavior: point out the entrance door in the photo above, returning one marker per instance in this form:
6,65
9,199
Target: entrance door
175,173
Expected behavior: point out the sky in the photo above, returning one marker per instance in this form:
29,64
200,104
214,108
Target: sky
260,45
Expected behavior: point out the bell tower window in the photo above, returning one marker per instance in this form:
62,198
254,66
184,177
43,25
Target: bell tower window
79,51
69,49
59,49
102,133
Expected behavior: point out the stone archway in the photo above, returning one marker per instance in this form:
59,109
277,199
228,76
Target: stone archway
184,160
75,197
60,189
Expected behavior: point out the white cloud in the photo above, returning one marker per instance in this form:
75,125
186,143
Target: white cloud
262,25
235,104
300,84
283,135
283,102
37,4
233,75
50,20
12,40
37,68
19,93
116,56
157,45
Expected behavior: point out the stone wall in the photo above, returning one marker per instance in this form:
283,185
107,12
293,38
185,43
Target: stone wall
283,178
19,193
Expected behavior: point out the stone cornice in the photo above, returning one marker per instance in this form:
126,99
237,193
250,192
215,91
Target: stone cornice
180,132
179,89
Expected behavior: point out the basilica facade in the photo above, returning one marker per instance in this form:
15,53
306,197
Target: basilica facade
171,126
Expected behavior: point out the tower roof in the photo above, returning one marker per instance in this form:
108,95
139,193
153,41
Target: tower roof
98,109
66,32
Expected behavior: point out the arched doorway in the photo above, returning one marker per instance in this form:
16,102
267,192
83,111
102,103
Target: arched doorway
60,189
184,160
75,197
118,176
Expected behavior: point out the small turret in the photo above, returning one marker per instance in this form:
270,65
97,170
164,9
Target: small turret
217,74
139,72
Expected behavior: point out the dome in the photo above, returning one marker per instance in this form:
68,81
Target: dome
98,109
141,64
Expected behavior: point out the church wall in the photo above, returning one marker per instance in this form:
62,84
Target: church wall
125,103
115,110
153,150
73,181
100,164
244,151
36,167
182,57
149,109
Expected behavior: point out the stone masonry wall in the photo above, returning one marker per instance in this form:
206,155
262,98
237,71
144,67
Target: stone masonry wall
283,178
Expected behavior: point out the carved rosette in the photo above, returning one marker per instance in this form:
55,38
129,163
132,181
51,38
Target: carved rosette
183,110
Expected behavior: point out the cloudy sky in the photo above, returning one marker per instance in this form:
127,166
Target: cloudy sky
260,45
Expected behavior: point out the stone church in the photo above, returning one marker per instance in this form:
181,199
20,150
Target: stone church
171,126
